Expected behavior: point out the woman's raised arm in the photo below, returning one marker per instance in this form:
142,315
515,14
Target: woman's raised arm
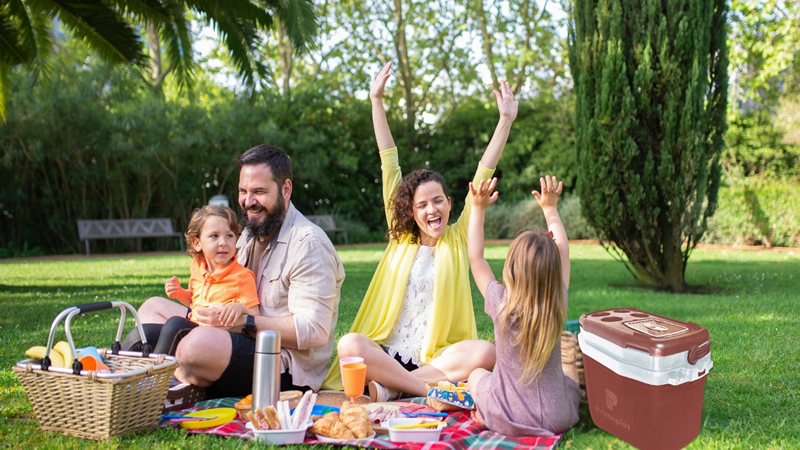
507,107
382,133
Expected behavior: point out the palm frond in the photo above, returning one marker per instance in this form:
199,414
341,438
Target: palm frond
236,10
142,11
101,27
177,37
242,40
299,17
43,35
14,42
4,90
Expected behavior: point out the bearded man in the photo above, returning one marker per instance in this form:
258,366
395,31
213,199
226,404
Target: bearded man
298,281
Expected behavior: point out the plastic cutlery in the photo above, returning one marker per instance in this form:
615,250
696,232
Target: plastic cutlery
419,425
184,418
434,414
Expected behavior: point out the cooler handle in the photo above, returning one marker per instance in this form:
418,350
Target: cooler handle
698,351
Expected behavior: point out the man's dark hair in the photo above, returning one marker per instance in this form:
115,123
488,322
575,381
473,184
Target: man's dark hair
276,159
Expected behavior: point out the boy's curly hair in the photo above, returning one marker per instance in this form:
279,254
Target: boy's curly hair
402,206
198,219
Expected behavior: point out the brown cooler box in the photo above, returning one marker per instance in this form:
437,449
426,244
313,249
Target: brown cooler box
645,376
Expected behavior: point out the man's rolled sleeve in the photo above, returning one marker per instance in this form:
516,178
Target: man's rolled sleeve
313,293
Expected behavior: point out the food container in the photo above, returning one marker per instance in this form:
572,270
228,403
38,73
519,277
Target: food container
645,376
412,434
280,437
245,405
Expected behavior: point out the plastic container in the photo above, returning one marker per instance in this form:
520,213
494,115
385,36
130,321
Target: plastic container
280,437
645,376
413,434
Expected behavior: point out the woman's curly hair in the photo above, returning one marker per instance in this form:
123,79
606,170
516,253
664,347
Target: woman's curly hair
402,206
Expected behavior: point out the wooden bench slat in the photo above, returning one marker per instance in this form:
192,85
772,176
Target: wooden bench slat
126,228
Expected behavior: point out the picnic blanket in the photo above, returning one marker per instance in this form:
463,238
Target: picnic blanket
460,433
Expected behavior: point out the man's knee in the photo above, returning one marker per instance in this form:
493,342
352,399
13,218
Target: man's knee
199,345
352,344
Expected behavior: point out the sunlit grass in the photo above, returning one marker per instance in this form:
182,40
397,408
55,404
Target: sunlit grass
751,311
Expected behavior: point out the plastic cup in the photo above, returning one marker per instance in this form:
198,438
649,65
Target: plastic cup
350,360
89,351
354,376
91,363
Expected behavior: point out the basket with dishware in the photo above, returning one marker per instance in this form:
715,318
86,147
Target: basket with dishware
125,396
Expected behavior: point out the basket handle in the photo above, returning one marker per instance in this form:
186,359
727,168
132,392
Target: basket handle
72,311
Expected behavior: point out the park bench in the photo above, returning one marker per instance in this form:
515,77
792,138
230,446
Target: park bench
327,224
126,228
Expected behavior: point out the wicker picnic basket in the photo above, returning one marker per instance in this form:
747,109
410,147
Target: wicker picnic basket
571,355
98,405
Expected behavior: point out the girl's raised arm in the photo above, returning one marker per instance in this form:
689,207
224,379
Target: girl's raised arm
482,196
507,107
382,133
548,199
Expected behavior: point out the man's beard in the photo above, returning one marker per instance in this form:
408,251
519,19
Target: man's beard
271,222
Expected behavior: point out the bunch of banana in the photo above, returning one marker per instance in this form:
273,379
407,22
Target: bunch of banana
60,355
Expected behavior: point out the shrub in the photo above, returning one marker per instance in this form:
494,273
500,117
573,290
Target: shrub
506,220
757,212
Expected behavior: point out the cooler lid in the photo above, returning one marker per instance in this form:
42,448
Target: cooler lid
650,333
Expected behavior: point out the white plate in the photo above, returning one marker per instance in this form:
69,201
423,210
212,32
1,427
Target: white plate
331,440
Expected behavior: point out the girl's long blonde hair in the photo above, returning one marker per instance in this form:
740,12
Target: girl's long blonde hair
533,310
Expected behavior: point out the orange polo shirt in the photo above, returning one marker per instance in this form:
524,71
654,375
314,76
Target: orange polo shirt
234,283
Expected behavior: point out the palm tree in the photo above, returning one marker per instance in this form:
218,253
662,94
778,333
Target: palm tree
115,28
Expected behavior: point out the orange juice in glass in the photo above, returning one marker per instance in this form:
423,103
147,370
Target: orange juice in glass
354,376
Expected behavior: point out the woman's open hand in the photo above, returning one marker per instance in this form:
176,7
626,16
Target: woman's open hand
506,104
379,83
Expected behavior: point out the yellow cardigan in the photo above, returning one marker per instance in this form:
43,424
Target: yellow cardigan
452,317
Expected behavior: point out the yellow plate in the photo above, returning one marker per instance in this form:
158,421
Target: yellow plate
224,415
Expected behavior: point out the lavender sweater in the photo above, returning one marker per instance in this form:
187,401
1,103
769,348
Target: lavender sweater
547,406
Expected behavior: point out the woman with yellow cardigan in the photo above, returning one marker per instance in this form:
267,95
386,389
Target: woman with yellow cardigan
416,323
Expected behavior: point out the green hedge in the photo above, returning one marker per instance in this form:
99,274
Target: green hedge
753,212
757,212
504,220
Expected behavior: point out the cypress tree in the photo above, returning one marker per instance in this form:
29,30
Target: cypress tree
651,84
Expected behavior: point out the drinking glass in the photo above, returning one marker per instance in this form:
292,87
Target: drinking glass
354,376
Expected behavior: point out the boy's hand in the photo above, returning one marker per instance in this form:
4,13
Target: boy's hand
551,189
229,312
506,104
172,287
484,195
379,83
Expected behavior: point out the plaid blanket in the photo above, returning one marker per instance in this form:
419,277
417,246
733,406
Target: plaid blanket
460,433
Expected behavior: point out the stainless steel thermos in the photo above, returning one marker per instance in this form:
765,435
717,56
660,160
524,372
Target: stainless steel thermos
266,369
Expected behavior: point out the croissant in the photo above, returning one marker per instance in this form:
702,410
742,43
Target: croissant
360,427
332,427
356,418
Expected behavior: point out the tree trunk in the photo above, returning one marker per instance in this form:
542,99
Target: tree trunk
285,49
405,79
487,44
156,69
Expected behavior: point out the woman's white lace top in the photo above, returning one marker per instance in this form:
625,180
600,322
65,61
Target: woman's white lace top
412,321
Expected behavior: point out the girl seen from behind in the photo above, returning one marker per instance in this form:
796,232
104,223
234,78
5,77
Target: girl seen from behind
528,393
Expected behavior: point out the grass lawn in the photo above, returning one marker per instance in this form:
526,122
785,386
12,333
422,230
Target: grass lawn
751,395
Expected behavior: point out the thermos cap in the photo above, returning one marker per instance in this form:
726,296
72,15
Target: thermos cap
268,341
